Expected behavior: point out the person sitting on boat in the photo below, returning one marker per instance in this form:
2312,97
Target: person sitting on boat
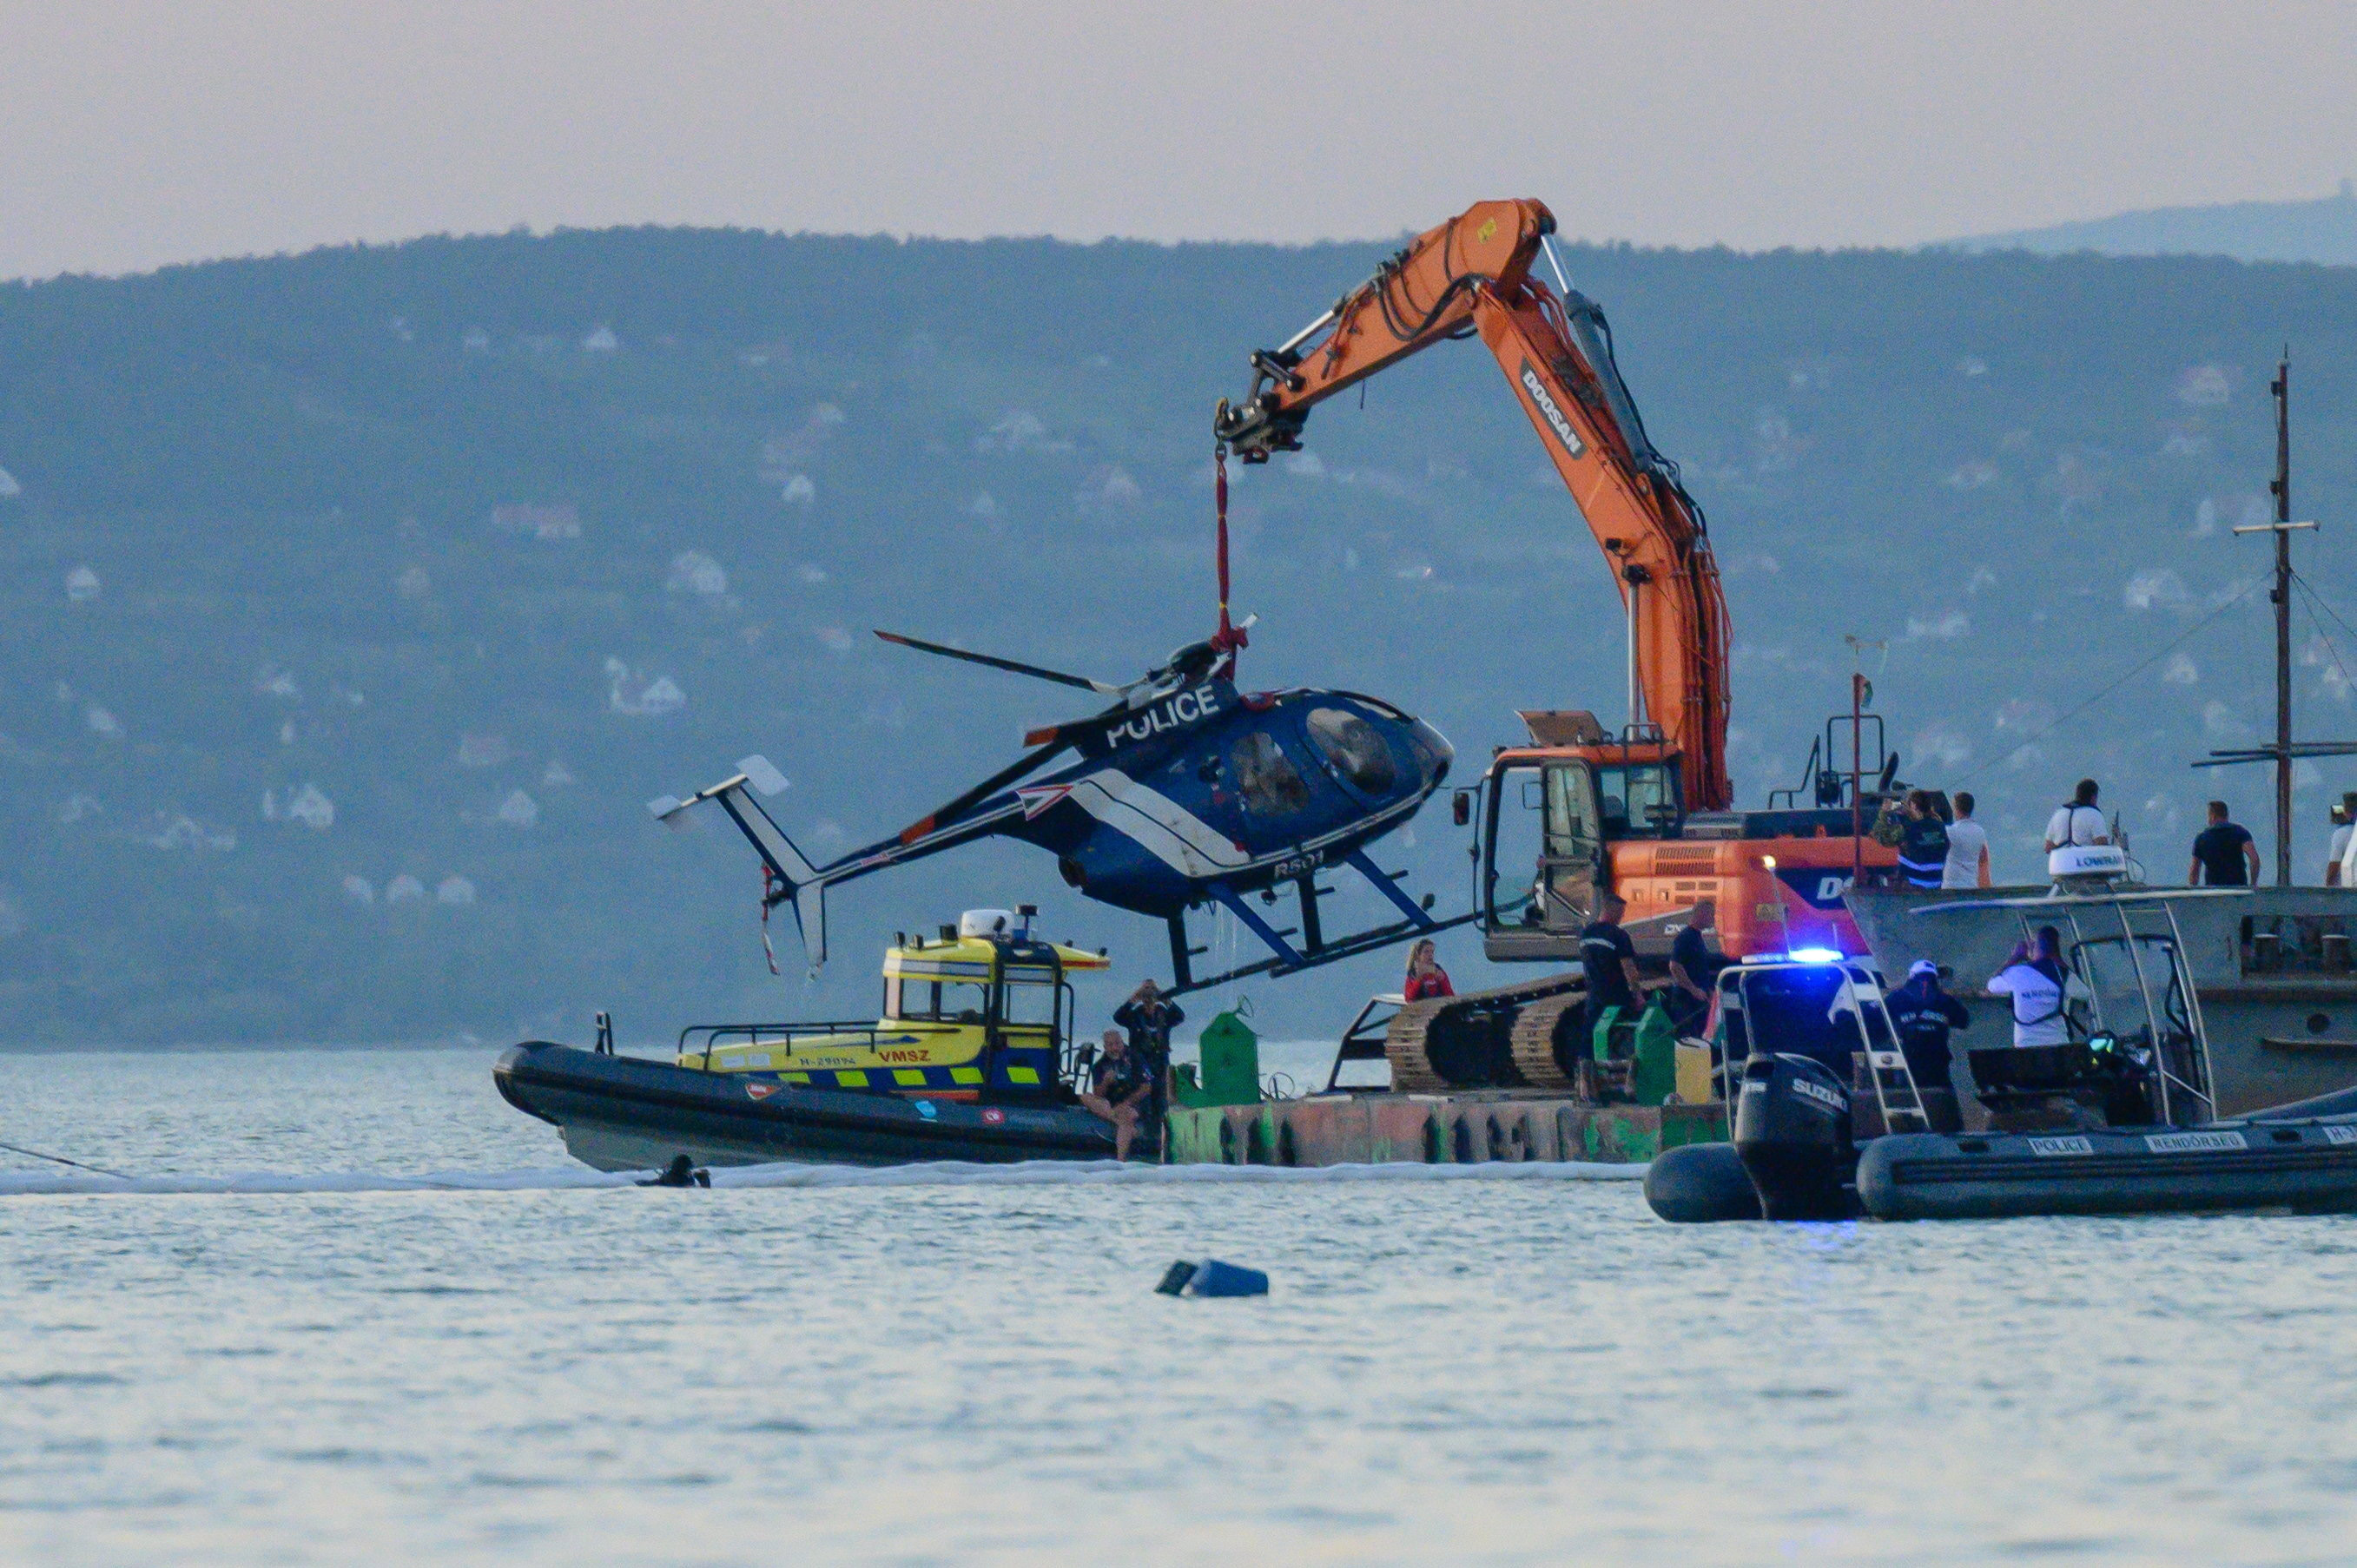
2080,822
1923,1015
1149,1017
1923,843
1425,978
2344,827
1120,1086
2033,977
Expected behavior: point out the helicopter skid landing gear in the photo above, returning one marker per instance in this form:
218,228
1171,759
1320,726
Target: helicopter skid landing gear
1315,950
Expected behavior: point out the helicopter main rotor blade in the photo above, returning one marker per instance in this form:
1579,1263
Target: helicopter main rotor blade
1010,665
946,814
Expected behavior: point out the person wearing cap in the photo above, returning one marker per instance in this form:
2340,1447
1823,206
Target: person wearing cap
1923,1015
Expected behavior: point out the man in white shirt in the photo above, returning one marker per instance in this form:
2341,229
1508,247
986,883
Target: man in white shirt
1968,856
2344,816
2033,978
2080,822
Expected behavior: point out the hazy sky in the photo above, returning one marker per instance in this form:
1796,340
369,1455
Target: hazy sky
135,134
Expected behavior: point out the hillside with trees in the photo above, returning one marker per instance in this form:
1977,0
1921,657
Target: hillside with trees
360,599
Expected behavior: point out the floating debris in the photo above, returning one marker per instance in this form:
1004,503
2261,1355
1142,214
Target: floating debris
1211,1277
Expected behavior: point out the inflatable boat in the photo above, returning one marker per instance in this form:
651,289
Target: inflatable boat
1829,1124
628,1113
971,1060
1792,1158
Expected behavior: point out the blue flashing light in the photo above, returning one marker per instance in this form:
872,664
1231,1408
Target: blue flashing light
1815,955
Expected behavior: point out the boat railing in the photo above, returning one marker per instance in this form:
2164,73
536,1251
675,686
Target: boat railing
700,1040
1365,1039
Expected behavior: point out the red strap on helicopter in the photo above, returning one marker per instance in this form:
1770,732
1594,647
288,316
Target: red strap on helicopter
770,886
1228,638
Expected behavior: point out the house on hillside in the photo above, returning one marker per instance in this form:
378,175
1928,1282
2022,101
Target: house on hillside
529,521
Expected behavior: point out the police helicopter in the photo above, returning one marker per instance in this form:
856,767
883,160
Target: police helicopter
1184,793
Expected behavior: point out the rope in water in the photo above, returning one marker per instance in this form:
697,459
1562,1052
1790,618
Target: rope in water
61,1160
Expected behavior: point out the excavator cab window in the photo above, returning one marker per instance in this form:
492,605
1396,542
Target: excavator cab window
1542,848
1641,800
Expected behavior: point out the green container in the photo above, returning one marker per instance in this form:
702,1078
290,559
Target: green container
1652,1042
1229,1074
1654,1077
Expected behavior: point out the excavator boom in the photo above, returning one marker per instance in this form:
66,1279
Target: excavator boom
1472,275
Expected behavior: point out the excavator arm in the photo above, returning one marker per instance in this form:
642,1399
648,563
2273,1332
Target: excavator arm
1472,276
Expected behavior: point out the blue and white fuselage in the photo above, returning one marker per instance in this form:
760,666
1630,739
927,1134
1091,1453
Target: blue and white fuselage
1196,796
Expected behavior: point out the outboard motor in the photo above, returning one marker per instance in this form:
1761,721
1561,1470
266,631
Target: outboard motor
1792,1135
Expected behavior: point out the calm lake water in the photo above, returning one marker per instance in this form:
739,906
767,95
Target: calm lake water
1506,1371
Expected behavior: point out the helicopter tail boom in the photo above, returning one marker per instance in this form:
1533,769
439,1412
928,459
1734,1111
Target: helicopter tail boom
804,884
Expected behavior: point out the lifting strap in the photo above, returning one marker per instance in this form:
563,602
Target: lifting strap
1228,638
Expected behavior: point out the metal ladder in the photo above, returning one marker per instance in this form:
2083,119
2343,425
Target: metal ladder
1895,1094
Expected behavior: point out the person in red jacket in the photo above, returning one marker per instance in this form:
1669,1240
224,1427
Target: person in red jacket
1425,978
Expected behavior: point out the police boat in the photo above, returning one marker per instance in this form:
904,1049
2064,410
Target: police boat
2120,1118
971,1059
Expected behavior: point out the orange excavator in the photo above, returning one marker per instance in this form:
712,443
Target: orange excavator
1646,810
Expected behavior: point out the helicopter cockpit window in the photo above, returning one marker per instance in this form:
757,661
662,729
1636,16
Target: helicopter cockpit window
1030,998
1265,776
943,1001
1352,749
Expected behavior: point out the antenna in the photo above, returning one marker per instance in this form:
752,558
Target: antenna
1861,697
2285,751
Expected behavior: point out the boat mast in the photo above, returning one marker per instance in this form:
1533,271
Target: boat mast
2282,487
2284,753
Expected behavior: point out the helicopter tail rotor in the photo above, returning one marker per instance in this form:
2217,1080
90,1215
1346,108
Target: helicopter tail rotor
792,875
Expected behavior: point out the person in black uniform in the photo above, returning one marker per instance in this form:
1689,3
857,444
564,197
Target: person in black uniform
1609,959
1149,1017
1923,1013
1923,842
1693,969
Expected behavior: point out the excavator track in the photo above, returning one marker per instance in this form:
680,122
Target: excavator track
1471,1041
1548,1038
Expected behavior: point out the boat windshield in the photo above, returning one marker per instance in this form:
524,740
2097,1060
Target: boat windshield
1802,1009
1030,998
942,1001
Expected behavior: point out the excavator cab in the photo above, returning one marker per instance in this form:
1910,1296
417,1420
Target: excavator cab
1549,817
